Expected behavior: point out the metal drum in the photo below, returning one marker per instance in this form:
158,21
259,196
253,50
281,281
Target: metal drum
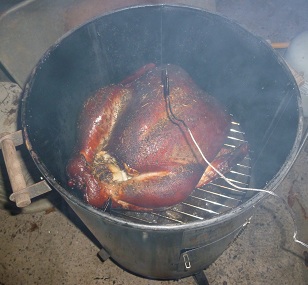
239,69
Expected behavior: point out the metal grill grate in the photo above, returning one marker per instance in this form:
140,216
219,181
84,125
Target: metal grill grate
204,203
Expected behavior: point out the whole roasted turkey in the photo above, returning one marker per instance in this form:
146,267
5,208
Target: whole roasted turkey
132,153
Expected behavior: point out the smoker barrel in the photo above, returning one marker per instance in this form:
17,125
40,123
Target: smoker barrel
238,68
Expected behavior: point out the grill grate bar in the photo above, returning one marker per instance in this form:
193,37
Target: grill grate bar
200,208
244,166
219,194
187,214
235,181
167,218
239,173
230,145
134,217
227,188
237,131
209,201
236,139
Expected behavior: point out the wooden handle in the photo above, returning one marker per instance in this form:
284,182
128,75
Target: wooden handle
13,167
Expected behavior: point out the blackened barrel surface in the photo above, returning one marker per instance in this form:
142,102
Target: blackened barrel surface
239,69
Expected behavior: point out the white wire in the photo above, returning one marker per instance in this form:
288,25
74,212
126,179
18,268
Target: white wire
221,175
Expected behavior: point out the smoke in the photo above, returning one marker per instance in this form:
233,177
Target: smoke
276,20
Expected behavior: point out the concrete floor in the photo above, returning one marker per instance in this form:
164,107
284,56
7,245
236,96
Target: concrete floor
53,246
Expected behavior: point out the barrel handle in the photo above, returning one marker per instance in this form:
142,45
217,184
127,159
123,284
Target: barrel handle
22,194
